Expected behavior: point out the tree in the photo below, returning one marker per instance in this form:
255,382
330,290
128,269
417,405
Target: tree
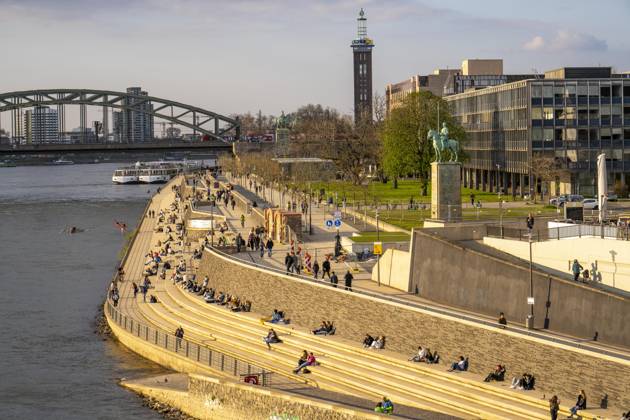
406,150
548,169
353,151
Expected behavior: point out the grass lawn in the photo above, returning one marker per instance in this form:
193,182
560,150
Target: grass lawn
383,193
408,219
384,237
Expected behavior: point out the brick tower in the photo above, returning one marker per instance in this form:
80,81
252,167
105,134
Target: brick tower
362,54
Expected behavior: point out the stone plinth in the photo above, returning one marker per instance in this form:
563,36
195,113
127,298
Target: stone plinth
446,199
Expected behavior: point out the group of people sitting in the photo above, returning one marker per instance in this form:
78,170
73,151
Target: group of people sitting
232,302
425,355
306,359
325,328
525,382
459,366
370,342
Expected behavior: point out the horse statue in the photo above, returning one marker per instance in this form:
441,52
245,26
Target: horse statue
442,143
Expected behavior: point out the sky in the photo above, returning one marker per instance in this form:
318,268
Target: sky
244,55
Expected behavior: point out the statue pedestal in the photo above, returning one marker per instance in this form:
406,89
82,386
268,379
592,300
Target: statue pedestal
282,141
446,198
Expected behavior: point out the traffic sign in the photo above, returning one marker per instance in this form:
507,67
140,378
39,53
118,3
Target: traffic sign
337,222
337,214
378,248
329,223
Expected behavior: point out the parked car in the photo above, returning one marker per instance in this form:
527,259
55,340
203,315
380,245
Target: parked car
612,197
558,201
576,198
590,204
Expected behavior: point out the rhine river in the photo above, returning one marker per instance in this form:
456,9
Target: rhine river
52,364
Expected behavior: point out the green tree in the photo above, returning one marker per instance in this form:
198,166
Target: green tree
406,150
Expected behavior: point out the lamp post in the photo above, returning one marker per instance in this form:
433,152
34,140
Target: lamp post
378,257
212,222
529,323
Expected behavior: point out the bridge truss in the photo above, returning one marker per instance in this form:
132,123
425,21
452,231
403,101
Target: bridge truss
198,119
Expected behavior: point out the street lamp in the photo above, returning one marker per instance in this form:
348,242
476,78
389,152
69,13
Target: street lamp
378,257
529,322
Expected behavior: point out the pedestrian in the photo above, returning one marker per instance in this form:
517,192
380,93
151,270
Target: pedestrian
242,220
577,269
554,407
233,202
288,260
315,269
472,199
326,268
530,222
348,280
145,289
262,249
239,242
334,279
269,246
502,321
179,334
135,289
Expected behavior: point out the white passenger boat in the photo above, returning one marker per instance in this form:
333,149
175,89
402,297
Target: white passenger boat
130,175
156,175
62,161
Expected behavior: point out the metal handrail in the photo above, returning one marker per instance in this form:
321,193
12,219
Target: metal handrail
190,349
433,309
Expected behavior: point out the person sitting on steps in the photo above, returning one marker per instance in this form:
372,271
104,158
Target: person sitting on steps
421,356
310,361
461,365
271,338
367,341
497,375
379,343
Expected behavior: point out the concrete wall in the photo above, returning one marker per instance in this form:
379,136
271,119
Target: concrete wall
559,369
394,268
610,257
450,273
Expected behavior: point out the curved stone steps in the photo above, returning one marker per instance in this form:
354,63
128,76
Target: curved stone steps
403,372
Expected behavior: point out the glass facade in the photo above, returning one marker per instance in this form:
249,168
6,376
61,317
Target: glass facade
572,120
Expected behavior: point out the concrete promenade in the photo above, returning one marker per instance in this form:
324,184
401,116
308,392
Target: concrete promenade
346,368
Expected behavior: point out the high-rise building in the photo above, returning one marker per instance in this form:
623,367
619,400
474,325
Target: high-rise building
134,126
362,56
41,125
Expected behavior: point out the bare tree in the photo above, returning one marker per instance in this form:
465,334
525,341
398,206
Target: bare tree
547,169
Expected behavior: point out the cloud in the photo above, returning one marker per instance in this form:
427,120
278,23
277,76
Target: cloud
535,44
565,40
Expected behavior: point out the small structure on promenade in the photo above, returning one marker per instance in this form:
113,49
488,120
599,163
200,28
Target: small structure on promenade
283,225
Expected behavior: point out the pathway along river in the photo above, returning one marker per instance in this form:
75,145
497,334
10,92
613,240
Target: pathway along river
52,365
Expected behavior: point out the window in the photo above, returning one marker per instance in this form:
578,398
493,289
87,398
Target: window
605,111
605,91
548,113
593,134
559,114
582,90
548,134
548,91
569,113
593,89
605,133
582,135
559,134
616,110
537,113
616,90
593,113
626,134
536,91
537,134
616,134
570,134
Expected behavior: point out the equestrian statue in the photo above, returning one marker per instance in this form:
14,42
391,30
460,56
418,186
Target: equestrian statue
442,144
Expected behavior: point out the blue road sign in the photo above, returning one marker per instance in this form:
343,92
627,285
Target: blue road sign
329,223
337,222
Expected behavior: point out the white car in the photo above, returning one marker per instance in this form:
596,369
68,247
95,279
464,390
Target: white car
590,204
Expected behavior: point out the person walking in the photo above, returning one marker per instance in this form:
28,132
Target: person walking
576,268
239,242
554,407
315,269
334,279
135,289
326,268
288,262
262,248
269,247
348,280
242,220
530,222
145,289
179,334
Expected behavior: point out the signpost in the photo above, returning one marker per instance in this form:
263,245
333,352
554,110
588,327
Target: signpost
329,223
378,248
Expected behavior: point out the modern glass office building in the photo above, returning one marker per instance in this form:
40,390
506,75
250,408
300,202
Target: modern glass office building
571,115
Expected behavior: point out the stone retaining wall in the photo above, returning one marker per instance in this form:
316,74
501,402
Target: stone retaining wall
558,370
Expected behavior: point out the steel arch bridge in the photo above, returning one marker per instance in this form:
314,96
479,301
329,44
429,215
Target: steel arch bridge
203,121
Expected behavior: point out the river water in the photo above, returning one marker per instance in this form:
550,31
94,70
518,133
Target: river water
52,364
